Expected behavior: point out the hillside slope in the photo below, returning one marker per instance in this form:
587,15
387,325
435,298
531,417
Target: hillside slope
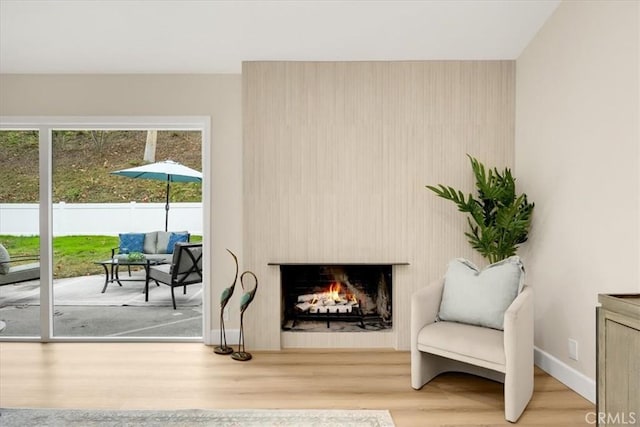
82,161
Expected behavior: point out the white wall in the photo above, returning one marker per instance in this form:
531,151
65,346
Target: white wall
100,219
578,158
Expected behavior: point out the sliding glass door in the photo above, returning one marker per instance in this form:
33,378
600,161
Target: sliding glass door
99,284
19,234
92,285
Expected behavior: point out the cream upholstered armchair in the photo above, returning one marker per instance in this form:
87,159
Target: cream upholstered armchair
445,346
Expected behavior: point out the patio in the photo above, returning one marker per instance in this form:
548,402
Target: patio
81,310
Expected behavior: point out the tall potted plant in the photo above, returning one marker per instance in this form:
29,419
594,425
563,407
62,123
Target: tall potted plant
499,219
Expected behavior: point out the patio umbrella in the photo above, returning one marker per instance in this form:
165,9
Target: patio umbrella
168,171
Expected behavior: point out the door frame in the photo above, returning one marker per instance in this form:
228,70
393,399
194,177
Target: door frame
45,125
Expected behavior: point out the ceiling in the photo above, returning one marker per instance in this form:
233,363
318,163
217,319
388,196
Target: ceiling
212,36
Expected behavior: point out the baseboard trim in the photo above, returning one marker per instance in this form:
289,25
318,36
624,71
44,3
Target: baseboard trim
576,381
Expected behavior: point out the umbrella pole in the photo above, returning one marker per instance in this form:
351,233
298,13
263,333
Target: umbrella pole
166,207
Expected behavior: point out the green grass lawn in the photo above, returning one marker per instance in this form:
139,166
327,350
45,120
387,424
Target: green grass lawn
72,255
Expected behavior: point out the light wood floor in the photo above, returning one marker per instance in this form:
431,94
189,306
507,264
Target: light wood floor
171,376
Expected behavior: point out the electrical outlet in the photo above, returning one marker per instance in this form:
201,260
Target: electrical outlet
573,349
225,315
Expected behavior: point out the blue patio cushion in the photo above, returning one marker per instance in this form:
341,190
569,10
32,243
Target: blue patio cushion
175,238
131,242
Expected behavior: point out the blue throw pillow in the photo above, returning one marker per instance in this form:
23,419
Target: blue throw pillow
131,242
175,238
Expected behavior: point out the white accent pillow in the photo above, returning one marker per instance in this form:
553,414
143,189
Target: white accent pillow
150,240
162,240
480,297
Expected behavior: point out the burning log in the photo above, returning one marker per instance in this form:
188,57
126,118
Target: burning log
304,306
331,301
307,298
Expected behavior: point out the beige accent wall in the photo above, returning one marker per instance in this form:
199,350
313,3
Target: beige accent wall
336,159
216,96
578,157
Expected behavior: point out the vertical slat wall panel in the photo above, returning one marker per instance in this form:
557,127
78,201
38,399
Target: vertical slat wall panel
336,157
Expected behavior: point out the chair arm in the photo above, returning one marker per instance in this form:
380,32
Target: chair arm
425,304
518,349
518,329
20,258
113,251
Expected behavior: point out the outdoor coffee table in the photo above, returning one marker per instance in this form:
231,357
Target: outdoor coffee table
112,267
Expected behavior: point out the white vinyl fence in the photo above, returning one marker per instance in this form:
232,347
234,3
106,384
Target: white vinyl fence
108,219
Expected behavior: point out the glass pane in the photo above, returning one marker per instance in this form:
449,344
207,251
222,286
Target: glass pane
99,278
19,234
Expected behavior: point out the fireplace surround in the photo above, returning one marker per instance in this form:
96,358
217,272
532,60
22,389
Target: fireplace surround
336,297
348,333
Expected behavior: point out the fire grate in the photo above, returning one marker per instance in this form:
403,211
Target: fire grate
338,295
323,314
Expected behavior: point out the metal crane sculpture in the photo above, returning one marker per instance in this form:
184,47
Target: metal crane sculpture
223,348
241,355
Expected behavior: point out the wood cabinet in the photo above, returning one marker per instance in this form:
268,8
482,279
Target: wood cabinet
618,360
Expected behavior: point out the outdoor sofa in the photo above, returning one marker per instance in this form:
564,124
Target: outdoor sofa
19,271
155,245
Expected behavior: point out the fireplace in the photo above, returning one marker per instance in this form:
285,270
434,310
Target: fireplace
336,298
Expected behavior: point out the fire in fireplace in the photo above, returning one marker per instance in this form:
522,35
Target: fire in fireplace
321,298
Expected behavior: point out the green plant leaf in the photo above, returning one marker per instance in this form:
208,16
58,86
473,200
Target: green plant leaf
499,220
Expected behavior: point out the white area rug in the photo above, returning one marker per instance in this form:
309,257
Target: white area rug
196,417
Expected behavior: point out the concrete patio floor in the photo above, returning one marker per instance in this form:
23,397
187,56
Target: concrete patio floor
81,310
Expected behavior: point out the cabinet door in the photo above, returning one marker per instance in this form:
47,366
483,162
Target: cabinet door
622,373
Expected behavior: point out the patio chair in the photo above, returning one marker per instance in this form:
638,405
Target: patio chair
19,271
185,269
